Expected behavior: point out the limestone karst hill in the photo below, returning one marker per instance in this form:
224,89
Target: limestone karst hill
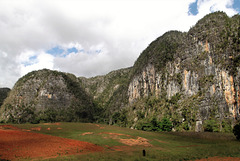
47,95
191,78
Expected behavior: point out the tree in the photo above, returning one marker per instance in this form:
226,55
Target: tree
211,126
236,131
165,125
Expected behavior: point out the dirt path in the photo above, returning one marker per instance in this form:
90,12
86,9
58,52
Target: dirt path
17,144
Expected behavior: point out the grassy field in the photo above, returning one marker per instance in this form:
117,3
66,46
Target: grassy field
127,144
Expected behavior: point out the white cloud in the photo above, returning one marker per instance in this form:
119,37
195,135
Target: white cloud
107,34
71,45
207,6
9,70
41,60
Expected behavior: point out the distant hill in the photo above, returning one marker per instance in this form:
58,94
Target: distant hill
190,79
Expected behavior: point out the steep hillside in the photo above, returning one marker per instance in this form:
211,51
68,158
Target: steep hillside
47,96
3,94
191,78
108,91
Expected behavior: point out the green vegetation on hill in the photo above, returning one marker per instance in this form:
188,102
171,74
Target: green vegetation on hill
160,51
223,33
3,94
48,96
109,92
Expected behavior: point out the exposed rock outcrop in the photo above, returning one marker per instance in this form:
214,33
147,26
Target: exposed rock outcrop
47,95
202,64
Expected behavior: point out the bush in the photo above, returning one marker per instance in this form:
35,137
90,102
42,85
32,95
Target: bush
211,126
148,127
174,99
120,118
164,125
226,126
185,126
236,131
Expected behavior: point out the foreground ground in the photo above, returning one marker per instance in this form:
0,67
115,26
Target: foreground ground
79,141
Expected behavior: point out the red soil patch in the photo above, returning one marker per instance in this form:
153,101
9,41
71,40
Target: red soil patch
113,135
57,123
135,142
131,141
16,144
36,129
219,159
99,126
6,127
86,133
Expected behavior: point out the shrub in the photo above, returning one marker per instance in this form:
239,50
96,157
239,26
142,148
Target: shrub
115,117
226,126
174,99
120,118
164,125
148,127
185,126
211,126
236,131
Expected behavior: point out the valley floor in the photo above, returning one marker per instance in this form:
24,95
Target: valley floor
86,141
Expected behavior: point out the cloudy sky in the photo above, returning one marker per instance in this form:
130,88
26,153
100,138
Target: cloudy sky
89,37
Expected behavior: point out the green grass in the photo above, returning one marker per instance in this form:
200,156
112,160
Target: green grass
165,146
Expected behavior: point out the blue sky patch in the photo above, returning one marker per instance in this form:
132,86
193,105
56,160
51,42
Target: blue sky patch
98,51
82,50
193,10
236,5
72,50
56,51
31,60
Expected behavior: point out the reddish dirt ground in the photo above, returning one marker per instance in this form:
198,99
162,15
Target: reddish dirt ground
17,144
136,142
130,141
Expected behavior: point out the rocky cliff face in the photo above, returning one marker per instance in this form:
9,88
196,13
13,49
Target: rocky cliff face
204,66
49,96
